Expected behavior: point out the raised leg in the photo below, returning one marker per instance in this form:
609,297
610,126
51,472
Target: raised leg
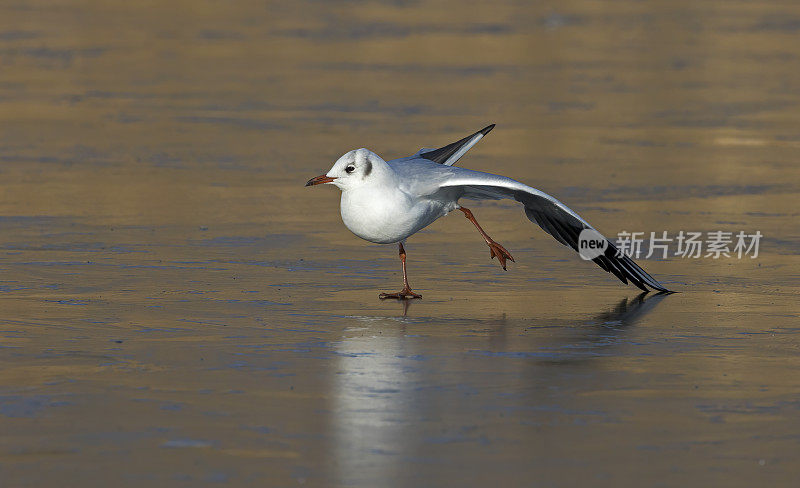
406,291
495,249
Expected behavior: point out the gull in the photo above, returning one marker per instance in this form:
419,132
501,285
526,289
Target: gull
387,202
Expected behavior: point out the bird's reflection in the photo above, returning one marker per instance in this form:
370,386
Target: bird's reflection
628,312
394,374
587,339
406,306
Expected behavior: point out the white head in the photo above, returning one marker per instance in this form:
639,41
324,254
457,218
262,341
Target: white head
354,169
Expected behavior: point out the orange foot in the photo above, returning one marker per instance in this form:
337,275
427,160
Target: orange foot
502,254
403,294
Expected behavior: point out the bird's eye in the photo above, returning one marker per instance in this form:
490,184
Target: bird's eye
350,169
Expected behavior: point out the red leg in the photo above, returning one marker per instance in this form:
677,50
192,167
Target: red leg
406,291
495,249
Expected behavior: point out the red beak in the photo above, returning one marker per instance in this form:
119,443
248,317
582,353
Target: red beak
318,180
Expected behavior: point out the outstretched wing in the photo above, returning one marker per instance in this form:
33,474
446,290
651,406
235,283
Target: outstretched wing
449,154
554,217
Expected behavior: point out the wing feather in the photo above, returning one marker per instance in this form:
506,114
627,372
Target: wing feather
451,153
552,216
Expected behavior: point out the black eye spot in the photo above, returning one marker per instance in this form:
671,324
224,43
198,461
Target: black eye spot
350,169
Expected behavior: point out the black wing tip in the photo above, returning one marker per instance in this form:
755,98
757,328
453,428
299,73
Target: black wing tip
625,267
442,154
663,291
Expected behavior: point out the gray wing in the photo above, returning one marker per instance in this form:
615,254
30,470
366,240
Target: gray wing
554,217
449,154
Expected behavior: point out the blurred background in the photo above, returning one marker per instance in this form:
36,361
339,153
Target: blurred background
178,310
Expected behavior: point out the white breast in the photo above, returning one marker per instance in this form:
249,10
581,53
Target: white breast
387,216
